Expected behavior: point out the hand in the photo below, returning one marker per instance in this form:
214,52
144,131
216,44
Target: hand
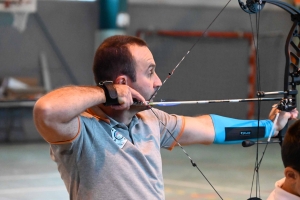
125,97
282,118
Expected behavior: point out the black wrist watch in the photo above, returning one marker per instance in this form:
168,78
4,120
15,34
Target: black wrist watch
110,93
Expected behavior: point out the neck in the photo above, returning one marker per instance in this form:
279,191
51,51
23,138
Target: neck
122,116
289,188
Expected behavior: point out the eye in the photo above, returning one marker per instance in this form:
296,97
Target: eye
151,71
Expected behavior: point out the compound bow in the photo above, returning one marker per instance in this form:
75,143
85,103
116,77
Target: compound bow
291,75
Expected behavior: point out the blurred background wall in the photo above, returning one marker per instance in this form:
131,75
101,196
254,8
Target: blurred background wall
216,68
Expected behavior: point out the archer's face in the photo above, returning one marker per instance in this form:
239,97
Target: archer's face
147,80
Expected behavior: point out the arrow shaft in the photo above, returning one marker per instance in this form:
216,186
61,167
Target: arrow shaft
175,103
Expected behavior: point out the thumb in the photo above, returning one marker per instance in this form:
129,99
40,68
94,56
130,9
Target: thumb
121,100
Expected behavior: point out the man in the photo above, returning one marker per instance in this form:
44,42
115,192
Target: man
106,147
288,188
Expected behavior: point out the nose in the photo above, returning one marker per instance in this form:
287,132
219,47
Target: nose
157,81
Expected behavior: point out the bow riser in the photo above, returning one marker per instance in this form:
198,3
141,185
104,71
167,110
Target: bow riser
291,77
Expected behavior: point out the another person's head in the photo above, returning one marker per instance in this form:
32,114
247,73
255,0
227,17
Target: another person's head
290,154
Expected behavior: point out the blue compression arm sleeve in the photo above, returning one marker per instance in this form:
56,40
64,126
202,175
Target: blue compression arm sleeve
233,131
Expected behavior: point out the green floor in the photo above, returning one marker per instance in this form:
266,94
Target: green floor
27,172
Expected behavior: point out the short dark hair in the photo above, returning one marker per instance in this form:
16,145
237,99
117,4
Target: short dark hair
290,150
113,58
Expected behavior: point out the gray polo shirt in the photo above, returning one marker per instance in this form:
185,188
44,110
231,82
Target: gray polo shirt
108,160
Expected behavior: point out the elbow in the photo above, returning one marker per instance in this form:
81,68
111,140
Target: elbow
42,117
41,112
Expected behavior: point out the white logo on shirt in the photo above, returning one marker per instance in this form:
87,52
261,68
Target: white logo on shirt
118,138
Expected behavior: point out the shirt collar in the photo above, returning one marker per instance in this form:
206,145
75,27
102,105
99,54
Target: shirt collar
100,115
103,117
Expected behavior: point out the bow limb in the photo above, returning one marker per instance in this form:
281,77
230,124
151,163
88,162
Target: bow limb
254,6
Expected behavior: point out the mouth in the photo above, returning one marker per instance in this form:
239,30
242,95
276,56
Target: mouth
151,98
153,95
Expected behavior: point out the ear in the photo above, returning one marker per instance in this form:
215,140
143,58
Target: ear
291,183
291,174
122,79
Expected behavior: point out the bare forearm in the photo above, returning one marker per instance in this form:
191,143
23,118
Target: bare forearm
198,130
66,103
55,114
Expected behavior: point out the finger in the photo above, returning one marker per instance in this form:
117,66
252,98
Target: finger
119,107
121,100
274,111
294,114
136,95
125,105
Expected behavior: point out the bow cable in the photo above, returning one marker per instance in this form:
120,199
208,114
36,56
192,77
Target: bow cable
257,163
203,34
292,50
259,5
170,74
193,163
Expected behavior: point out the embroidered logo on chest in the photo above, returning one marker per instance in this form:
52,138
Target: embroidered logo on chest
118,138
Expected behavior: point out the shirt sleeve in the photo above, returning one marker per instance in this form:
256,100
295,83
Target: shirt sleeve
171,128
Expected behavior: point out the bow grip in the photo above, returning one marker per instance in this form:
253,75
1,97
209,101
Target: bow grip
287,105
